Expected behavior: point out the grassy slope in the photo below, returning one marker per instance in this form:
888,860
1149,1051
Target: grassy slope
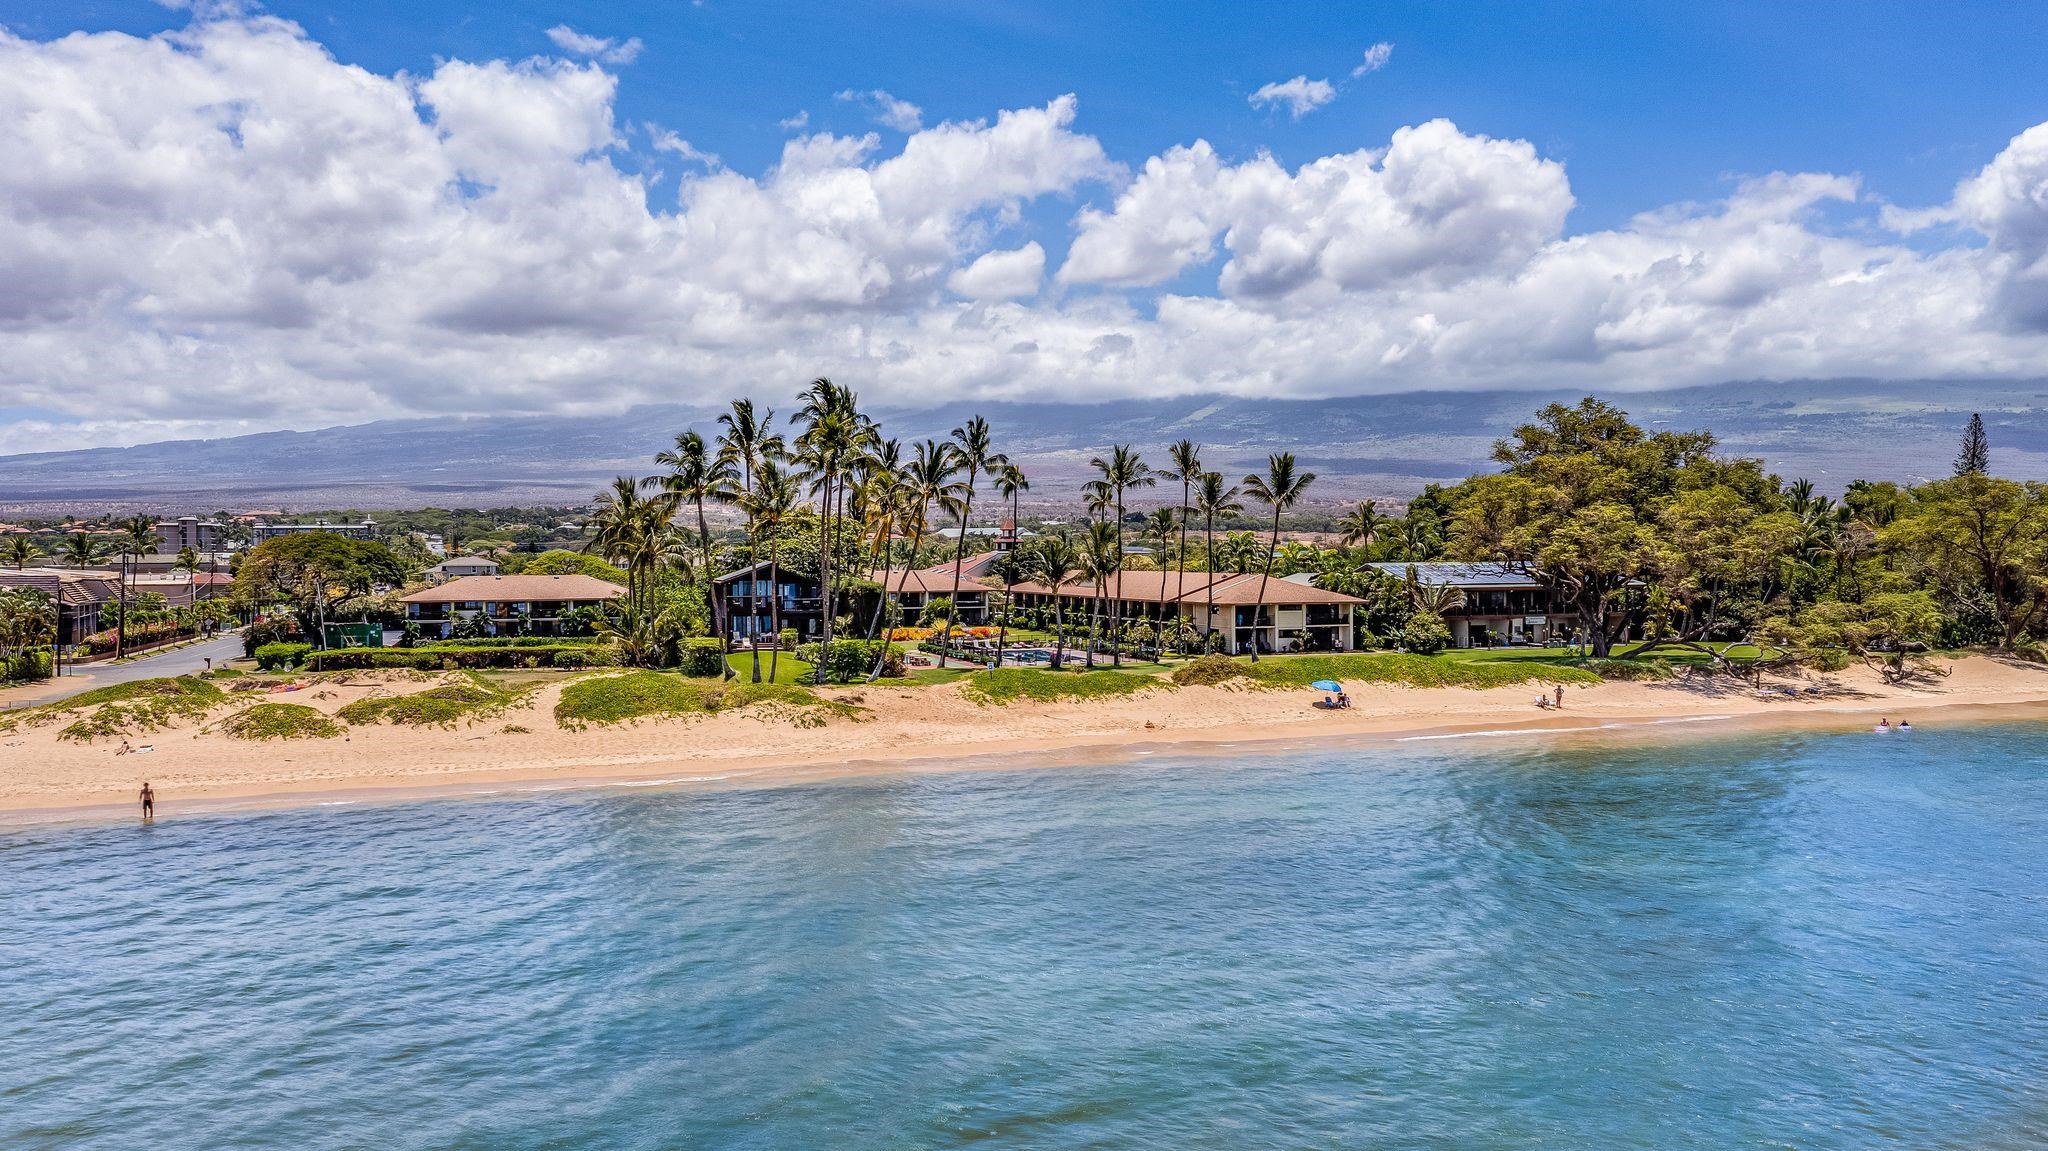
789,669
442,706
608,699
118,709
1360,669
1010,684
280,721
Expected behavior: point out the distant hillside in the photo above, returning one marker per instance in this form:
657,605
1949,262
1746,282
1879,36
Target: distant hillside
1388,446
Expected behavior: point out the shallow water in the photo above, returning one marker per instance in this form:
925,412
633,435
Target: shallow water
1779,941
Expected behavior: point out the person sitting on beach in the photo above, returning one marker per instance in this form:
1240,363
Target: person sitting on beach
1543,701
126,750
1343,700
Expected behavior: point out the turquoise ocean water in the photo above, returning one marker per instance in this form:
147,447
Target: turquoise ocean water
1784,941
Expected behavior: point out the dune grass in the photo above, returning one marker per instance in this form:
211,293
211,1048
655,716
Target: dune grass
1010,684
472,699
635,695
266,721
118,709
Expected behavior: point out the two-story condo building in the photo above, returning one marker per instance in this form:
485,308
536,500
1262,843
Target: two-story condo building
503,602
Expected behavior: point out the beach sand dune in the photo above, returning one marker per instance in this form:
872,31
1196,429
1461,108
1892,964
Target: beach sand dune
921,728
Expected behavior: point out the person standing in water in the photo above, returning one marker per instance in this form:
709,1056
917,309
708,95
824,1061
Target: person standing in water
148,798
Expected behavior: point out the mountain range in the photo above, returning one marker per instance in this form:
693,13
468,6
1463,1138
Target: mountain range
1386,446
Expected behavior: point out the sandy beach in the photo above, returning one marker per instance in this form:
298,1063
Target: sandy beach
922,728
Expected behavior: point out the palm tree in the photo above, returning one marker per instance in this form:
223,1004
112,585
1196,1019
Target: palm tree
747,441
876,506
1432,599
1213,498
1010,483
619,534
1280,489
138,539
1362,525
977,457
1185,465
927,482
82,550
695,475
20,550
828,449
1419,538
1055,561
1101,559
1122,470
774,498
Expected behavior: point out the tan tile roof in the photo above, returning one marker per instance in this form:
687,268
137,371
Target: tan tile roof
1193,587
932,580
518,589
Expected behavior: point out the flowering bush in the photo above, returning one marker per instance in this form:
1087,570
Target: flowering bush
910,634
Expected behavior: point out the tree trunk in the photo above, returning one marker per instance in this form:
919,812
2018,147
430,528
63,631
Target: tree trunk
825,579
1059,630
1116,603
959,553
1259,608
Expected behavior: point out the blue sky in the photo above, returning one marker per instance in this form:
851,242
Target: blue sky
295,214
1647,104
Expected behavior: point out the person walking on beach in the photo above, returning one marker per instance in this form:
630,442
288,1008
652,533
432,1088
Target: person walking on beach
148,798
1560,695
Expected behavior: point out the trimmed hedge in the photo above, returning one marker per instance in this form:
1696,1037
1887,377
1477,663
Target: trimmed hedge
282,656
508,641
450,657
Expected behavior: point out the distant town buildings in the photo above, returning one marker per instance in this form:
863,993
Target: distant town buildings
265,530
176,535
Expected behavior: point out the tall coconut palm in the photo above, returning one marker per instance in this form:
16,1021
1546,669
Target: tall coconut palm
625,531
747,441
20,550
1184,464
1011,483
1362,525
928,481
828,449
978,457
1055,561
137,539
876,506
695,475
1122,470
774,499
1213,498
1101,560
1279,489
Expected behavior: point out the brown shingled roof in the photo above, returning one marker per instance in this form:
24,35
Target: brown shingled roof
1193,587
518,589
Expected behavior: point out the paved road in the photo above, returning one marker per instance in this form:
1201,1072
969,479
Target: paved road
179,662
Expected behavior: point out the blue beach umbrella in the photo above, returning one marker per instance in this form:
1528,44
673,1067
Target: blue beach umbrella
1327,685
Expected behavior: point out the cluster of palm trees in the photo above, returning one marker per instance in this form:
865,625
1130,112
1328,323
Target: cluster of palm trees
869,497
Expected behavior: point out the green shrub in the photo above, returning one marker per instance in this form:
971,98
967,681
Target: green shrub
279,721
130,708
284,656
851,659
651,694
703,658
1631,670
1009,684
452,657
1425,634
25,666
1209,670
441,706
1410,670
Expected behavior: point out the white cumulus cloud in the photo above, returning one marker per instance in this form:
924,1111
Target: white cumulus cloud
223,228
1299,96
888,111
597,47
1003,275
1376,58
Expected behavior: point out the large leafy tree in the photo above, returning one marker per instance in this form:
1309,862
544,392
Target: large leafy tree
1579,499
1979,533
315,574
